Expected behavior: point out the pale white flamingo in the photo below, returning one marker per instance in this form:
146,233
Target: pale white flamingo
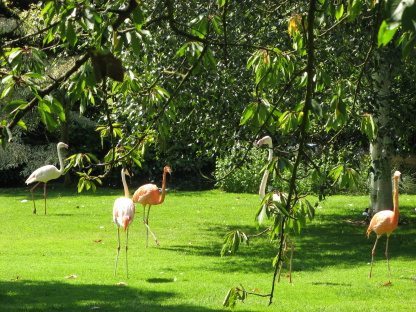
45,174
123,215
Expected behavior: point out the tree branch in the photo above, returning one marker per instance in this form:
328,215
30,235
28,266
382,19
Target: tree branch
20,112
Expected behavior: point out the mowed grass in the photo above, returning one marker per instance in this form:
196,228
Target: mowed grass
64,261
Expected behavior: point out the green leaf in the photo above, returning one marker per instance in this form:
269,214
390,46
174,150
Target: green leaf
369,127
89,18
221,3
335,173
11,106
135,44
46,8
34,75
316,108
248,113
22,124
138,18
70,34
210,59
339,11
386,33
310,209
8,91
6,79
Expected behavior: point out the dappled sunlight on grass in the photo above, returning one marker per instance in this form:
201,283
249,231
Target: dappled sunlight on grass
186,273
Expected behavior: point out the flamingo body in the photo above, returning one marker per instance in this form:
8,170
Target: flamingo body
123,212
148,195
385,222
45,174
123,215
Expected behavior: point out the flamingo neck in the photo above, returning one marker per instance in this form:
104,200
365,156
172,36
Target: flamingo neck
396,200
61,161
262,190
126,189
162,196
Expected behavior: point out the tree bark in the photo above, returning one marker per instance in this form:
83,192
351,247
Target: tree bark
381,197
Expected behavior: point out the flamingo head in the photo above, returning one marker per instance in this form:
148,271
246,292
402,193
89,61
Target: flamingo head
61,144
167,169
125,172
397,174
266,140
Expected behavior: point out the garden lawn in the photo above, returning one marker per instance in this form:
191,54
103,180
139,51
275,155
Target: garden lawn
64,261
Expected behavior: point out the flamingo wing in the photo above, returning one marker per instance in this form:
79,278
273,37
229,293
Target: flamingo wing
147,194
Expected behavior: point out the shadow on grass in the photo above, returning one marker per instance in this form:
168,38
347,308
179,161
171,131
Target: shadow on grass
329,241
26,295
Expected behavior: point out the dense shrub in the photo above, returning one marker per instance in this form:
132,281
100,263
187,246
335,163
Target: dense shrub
244,178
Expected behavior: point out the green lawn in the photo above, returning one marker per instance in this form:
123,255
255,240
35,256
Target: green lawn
185,273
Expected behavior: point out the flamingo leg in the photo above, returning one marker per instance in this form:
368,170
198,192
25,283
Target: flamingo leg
372,256
387,254
118,249
44,195
127,247
145,222
149,230
33,197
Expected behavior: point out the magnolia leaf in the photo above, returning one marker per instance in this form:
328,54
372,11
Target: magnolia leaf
386,33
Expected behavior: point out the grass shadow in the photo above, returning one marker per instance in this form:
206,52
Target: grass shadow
329,241
27,295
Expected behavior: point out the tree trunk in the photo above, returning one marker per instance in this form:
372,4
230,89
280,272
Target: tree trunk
381,197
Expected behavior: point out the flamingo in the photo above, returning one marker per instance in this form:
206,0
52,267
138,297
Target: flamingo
277,197
148,195
46,173
123,214
262,191
385,221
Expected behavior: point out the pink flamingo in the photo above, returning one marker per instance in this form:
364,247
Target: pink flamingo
148,195
385,221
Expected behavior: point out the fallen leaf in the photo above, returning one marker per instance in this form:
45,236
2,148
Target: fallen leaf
288,275
386,284
121,283
15,278
256,289
98,241
71,276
